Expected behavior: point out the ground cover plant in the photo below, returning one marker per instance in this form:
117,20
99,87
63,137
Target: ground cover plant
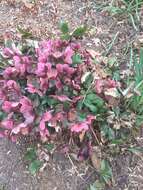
129,9
57,89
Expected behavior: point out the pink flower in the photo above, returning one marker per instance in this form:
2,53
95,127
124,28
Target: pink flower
68,70
79,127
29,118
99,86
8,106
16,59
47,116
7,123
8,52
18,128
68,55
90,118
40,69
30,88
10,72
60,68
42,58
44,84
57,54
44,134
26,105
2,96
61,98
2,135
58,83
83,126
111,83
75,46
25,60
42,125
20,67
52,74
11,84
75,86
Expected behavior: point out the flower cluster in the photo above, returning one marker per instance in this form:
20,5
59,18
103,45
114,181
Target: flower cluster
39,89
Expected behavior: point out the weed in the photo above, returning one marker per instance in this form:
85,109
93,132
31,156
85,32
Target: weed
125,8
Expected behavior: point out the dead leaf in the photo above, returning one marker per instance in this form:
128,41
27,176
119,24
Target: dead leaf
81,136
72,115
93,53
113,92
43,167
96,158
28,4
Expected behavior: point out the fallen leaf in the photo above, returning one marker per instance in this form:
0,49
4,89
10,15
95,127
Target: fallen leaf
112,92
93,53
81,136
96,158
28,4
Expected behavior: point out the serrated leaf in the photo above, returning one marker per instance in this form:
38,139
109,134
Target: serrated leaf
24,33
79,32
98,185
106,172
64,27
136,150
2,115
77,59
49,146
30,154
88,80
96,159
34,167
91,107
65,36
117,141
84,77
92,187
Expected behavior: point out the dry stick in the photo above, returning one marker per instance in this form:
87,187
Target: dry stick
112,43
74,167
95,135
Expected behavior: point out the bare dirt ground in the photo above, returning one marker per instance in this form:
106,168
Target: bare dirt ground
42,20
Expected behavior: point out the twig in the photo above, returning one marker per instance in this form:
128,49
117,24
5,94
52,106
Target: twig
74,167
112,43
95,135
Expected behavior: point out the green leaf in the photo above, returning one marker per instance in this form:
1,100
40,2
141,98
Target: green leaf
92,187
24,33
30,154
88,80
97,185
82,116
77,59
49,146
139,120
49,101
117,141
65,36
2,115
79,32
64,27
34,167
91,107
106,171
136,150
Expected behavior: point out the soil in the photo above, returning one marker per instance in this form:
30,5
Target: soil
42,20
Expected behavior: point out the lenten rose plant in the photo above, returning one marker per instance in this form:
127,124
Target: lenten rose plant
42,91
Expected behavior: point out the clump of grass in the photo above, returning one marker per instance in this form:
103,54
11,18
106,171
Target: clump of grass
125,8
